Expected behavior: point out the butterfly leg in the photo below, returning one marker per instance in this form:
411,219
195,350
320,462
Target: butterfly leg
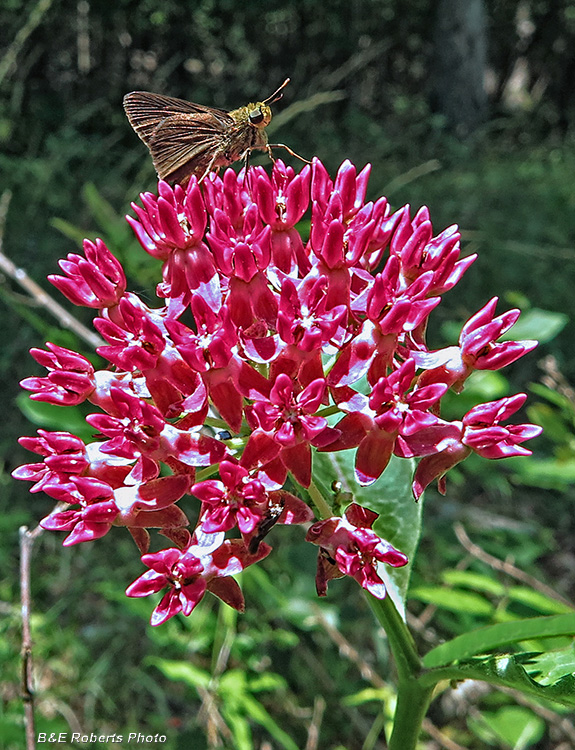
288,149
210,166
246,160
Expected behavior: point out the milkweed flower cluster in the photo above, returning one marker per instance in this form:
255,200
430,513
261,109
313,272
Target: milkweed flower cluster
267,348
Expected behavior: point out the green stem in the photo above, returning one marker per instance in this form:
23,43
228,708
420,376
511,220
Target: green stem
206,473
328,411
321,503
412,697
412,704
400,641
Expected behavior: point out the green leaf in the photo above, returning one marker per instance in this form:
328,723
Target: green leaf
268,681
367,695
76,234
471,580
183,671
516,726
542,325
554,397
258,713
552,665
240,728
481,386
454,600
53,417
509,671
556,426
399,519
546,473
496,636
538,601
234,691
104,213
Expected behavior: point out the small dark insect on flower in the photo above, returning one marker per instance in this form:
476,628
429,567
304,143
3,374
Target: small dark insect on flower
265,526
187,139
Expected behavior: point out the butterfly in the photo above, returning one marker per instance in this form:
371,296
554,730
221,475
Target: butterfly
188,139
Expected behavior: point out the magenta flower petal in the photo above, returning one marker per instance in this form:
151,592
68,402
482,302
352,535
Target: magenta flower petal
373,455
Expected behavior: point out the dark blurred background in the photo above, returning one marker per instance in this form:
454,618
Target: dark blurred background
467,107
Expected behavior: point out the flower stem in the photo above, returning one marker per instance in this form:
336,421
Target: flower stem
400,641
320,502
412,703
207,472
217,423
412,697
328,411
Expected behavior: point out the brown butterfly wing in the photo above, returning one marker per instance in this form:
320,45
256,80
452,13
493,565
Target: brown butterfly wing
146,111
184,145
183,137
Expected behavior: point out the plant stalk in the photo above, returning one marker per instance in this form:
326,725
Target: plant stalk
412,697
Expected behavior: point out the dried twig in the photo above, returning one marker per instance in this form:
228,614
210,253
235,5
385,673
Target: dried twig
40,297
348,651
445,741
504,566
304,105
353,64
432,165
27,539
316,719
554,379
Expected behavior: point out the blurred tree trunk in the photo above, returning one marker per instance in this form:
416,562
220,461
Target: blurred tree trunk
458,70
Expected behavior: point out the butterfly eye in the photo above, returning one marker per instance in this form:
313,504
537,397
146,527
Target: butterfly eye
256,117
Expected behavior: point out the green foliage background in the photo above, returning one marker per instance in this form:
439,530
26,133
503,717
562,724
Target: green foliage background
360,89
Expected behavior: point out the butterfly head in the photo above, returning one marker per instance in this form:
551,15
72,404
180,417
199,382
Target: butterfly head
259,114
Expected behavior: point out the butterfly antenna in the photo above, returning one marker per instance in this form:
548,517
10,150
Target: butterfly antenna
276,96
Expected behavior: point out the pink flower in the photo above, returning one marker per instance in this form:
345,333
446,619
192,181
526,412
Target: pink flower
287,418
171,227
241,251
92,520
228,193
70,379
140,432
236,498
262,334
136,341
206,565
350,547
288,415
347,191
392,411
65,455
304,318
97,280
210,351
282,201
478,348
480,431
242,499
392,310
